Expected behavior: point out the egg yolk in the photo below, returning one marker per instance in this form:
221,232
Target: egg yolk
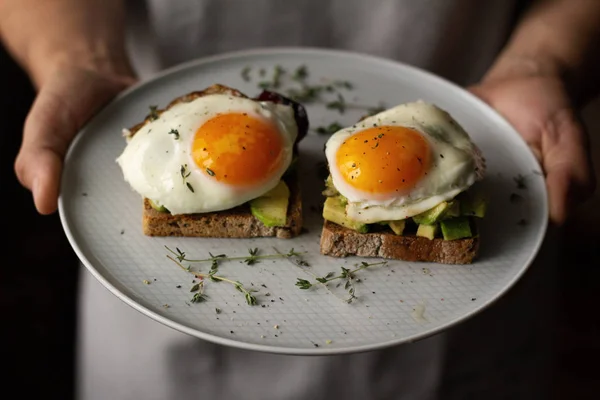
384,160
238,149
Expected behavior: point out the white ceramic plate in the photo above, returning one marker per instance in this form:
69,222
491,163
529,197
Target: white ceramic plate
399,302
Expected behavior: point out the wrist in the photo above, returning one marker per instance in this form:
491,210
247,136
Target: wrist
555,40
520,65
513,64
43,61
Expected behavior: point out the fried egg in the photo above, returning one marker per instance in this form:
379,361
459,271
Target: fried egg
211,154
401,162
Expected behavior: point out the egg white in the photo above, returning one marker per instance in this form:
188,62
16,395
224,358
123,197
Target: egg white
456,163
153,158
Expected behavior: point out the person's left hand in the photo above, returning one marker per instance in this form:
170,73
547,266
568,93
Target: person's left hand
539,108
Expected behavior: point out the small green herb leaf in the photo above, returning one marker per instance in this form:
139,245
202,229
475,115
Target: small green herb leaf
246,73
153,113
184,172
306,94
339,104
344,84
520,181
330,129
251,300
175,133
195,288
376,110
198,298
300,74
303,284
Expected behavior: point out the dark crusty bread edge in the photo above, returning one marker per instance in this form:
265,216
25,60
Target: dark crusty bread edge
237,222
338,241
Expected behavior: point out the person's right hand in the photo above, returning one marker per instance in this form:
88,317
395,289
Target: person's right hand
65,101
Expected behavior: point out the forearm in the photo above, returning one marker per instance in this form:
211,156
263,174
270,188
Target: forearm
42,35
556,37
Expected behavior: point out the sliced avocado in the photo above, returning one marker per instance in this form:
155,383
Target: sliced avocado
473,203
456,228
334,210
280,190
343,200
428,231
157,206
271,208
329,182
453,209
398,226
330,190
432,215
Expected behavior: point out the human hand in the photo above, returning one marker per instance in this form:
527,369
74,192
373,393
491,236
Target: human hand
66,99
540,109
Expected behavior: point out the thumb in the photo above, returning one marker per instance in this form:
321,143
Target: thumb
567,163
63,104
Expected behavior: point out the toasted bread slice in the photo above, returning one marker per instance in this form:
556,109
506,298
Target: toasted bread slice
338,241
237,222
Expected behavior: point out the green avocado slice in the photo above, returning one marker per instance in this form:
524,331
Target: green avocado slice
428,231
334,210
271,208
456,228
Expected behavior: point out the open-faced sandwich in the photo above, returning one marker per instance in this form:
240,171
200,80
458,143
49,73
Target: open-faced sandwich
216,163
401,186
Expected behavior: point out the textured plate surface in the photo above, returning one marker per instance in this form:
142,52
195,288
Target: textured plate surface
397,302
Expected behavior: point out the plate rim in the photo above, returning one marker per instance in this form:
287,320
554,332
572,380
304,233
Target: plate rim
243,345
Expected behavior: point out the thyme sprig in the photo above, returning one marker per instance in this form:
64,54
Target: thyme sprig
198,290
239,286
346,274
184,175
250,259
178,256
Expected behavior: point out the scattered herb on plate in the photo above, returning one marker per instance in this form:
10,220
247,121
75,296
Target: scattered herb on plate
178,256
346,275
329,129
520,181
339,104
515,198
246,73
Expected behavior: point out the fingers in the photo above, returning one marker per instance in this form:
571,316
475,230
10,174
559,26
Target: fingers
541,112
62,106
44,172
567,164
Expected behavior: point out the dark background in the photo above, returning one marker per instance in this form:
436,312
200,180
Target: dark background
39,270
39,276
